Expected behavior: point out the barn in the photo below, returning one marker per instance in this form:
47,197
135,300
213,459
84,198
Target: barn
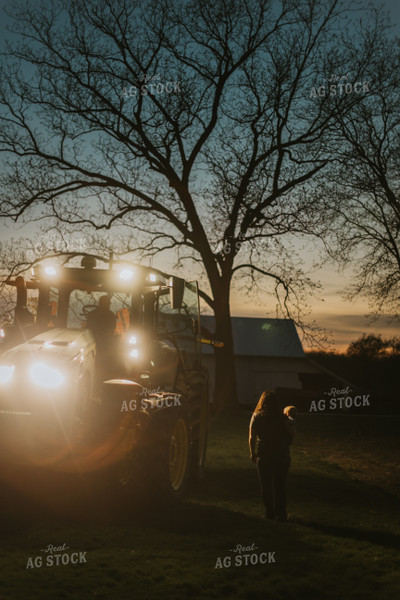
268,355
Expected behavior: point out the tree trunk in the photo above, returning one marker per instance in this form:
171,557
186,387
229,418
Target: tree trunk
226,399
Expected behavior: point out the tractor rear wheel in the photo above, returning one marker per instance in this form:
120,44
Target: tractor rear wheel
159,472
167,465
178,456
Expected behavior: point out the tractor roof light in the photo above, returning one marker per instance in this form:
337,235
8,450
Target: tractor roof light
6,373
41,271
155,279
126,274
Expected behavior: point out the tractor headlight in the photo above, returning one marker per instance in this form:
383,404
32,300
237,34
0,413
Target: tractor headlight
133,346
6,373
45,376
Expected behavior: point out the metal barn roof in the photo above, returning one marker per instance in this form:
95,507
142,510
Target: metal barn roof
261,337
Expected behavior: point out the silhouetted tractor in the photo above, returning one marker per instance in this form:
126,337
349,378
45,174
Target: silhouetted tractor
118,389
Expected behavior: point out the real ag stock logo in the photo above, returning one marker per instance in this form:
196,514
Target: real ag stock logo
339,399
54,242
340,85
151,85
55,556
151,399
231,244
243,556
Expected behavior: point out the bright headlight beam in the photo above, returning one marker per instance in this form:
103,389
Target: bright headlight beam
45,376
134,353
51,271
133,340
126,274
6,373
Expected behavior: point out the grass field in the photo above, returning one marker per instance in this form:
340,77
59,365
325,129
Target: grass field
342,542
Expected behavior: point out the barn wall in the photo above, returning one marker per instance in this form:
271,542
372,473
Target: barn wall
255,374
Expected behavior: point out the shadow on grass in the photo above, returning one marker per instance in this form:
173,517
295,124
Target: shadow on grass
35,492
38,496
306,486
204,531
33,496
176,547
233,484
380,538
328,489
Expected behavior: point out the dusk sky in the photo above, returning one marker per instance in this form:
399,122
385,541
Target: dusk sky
345,320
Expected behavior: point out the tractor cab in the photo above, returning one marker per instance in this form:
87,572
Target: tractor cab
89,345
155,317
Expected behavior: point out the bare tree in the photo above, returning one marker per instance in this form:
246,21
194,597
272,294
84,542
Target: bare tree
365,207
193,122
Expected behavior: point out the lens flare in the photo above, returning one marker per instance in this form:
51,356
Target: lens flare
45,376
6,373
126,274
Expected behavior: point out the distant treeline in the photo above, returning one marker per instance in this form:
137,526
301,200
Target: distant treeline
376,374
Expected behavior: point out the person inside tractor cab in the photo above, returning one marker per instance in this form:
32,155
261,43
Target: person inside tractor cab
23,327
102,322
23,316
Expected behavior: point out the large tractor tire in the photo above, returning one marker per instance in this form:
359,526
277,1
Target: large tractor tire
159,472
166,465
178,449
